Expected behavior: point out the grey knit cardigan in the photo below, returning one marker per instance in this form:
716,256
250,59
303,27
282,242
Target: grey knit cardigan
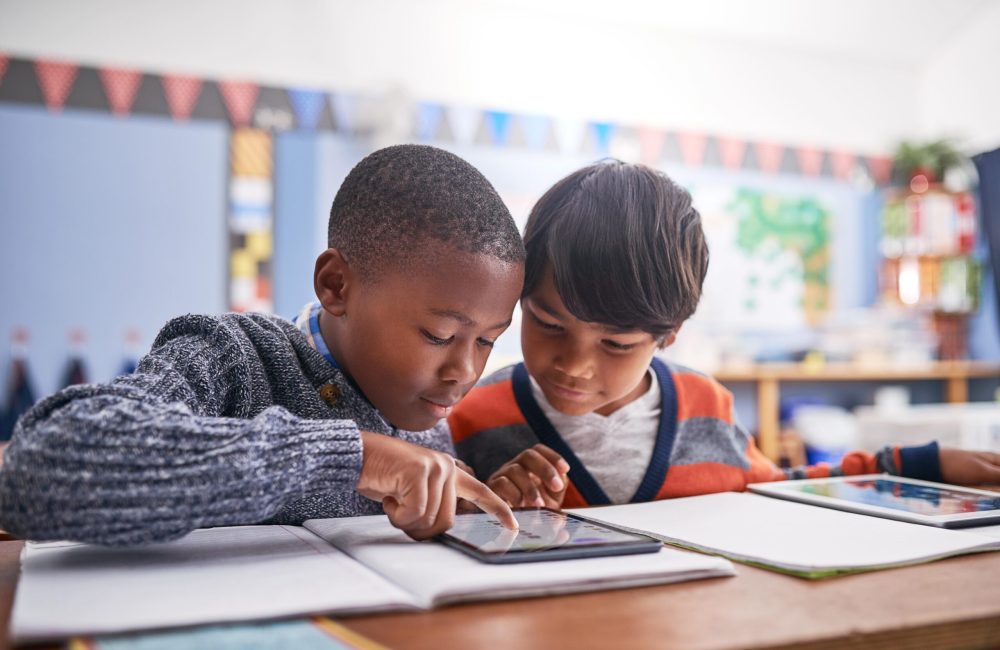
228,420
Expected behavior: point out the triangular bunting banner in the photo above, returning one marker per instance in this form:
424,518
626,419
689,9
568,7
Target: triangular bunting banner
428,120
4,60
240,98
768,156
603,131
569,135
692,147
345,112
651,145
810,160
843,162
308,105
56,79
881,169
536,130
499,126
464,123
120,86
731,150
182,94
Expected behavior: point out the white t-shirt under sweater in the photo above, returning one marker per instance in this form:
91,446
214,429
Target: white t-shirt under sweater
616,449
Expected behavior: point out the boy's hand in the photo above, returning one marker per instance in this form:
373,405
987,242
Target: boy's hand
534,478
419,488
970,467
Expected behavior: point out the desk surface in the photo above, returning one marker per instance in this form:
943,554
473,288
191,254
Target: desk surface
952,603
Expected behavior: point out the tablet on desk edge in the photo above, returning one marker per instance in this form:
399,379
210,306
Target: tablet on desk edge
904,507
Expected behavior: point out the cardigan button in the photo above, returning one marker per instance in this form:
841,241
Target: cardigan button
330,394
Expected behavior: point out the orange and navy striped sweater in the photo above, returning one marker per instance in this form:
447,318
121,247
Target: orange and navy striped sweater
699,448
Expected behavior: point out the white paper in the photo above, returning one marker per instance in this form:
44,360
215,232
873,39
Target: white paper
436,574
212,575
787,535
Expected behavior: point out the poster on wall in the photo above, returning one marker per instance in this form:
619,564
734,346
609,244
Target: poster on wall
770,258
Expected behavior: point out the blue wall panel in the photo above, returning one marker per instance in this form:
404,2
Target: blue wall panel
106,224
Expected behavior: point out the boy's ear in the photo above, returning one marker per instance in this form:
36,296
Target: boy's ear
333,280
669,339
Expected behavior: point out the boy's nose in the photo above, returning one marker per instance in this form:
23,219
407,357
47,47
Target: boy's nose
460,368
574,361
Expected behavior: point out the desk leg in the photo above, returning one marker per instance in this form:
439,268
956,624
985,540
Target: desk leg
958,390
767,418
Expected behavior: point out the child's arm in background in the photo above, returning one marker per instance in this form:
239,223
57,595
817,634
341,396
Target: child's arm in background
928,462
148,457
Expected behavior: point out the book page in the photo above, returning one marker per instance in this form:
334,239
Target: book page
213,575
793,537
436,574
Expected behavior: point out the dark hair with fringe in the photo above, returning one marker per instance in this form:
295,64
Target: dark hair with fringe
401,196
625,246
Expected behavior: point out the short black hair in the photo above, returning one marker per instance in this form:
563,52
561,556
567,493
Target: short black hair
400,196
625,246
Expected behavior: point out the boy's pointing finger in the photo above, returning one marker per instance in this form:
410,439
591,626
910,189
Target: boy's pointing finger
472,490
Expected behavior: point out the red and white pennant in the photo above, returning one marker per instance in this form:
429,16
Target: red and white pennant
120,85
56,79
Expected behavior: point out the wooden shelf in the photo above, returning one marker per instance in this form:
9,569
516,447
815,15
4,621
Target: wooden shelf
768,376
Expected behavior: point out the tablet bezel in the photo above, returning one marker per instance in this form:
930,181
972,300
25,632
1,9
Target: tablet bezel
957,520
641,544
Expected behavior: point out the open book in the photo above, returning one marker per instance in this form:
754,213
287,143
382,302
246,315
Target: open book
796,538
330,566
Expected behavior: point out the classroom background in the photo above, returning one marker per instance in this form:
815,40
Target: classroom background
160,158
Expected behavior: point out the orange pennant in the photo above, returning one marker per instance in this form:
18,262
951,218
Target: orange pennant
650,145
692,147
120,85
810,160
881,168
731,150
843,163
768,156
56,79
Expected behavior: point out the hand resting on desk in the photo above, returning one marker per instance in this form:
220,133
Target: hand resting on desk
970,467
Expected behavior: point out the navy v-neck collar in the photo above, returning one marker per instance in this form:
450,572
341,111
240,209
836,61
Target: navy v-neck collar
585,483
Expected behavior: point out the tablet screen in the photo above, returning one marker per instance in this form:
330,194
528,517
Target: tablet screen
917,499
539,530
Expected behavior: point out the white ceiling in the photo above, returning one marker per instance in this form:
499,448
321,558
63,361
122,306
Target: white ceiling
906,32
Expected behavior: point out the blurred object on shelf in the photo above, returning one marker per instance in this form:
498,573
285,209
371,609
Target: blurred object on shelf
828,432
20,391
133,340
791,449
76,370
891,399
967,426
928,242
952,332
918,164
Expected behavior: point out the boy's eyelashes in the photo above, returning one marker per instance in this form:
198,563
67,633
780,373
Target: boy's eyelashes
615,345
437,340
544,324
554,328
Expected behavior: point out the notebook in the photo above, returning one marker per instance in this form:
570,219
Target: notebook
794,538
330,566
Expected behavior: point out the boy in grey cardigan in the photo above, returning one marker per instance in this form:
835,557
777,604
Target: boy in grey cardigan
249,418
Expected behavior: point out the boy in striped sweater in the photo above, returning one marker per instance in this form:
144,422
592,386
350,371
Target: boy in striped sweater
616,258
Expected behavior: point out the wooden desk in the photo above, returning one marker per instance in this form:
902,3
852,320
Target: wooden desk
768,376
953,603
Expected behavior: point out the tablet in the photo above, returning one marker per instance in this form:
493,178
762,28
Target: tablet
893,497
543,535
